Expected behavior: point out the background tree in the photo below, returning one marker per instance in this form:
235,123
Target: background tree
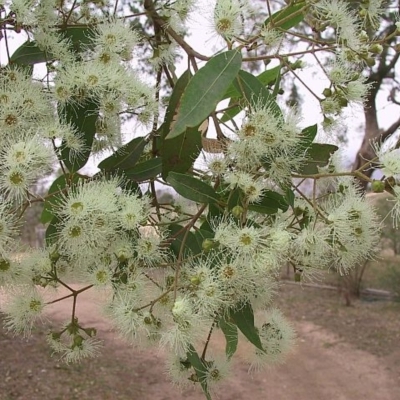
382,78
176,273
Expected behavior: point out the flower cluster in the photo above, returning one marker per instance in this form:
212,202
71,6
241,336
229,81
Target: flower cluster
171,272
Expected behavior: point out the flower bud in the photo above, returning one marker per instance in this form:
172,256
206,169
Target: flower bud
90,331
54,256
370,61
298,64
377,186
195,280
327,92
343,102
209,244
237,211
376,48
364,36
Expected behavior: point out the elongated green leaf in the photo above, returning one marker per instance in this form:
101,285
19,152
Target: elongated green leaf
192,188
51,231
200,368
235,198
83,117
178,154
282,18
28,54
290,197
205,90
231,92
244,319
126,156
266,78
231,336
307,137
143,171
309,134
174,101
235,93
178,234
277,85
81,37
255,92
318,156
214,212
270,203
232,112
269,76
51,202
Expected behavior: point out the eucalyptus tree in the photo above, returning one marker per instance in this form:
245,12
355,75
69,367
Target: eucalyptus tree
173,273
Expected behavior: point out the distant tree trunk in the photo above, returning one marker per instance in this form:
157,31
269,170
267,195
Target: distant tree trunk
371,132
379,75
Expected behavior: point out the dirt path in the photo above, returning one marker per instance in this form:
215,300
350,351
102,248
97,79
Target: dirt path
322,368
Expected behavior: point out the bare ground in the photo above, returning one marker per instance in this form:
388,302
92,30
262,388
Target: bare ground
342,353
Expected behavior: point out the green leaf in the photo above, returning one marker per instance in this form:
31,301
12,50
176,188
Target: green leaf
235,92
28,54
290,197
126,156
143,171
173,103
205,90
265,78
83,117
234,198
255,92
178,154
309,134
243,317
51,231
215,211
318,156
206,226
200,369
131,187
231,92
192,188
232,112
80,37
284,16
231,336
270,75
178,233
51,202
277,85
270,203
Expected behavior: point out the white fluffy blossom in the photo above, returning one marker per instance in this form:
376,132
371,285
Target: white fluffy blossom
23,308
339,16
389,160
277,339
229,17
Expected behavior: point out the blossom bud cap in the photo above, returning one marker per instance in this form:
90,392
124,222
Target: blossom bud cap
377,186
